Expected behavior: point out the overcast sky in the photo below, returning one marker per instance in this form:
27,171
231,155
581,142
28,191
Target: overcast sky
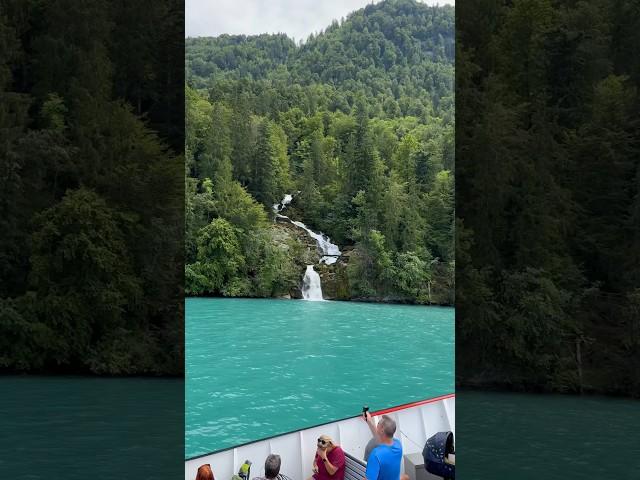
296,18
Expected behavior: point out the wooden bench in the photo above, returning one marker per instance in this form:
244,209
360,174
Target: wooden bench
354,469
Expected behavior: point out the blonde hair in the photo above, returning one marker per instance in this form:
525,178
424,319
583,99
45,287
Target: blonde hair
327,439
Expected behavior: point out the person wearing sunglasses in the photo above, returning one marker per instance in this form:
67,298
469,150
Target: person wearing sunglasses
328,463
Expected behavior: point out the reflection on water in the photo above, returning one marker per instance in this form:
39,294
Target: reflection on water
86,427
525,436
261,367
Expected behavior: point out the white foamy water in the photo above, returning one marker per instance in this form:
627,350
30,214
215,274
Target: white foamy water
330,251
311,287
278,207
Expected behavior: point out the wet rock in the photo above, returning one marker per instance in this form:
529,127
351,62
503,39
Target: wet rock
335,283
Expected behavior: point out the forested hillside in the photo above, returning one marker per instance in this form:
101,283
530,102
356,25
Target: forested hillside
90,188
549,196
359,121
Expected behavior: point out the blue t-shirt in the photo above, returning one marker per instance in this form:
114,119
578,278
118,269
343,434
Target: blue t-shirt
384,462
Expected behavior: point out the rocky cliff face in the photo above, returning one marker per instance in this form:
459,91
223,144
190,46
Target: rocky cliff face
335,283
304,251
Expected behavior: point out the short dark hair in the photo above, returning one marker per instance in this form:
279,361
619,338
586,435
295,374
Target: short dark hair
388,426
272,466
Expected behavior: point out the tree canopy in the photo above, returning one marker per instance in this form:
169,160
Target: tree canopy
359,120
91,194
547,237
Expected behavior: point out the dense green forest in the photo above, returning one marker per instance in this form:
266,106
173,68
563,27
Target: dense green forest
358,122
548,195
91,192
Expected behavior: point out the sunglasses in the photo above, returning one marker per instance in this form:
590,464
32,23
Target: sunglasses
322,442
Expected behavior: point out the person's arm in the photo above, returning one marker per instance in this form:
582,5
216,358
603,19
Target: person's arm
372,426
333,467
329,467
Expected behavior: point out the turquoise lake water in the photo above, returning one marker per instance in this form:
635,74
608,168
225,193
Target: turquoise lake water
257,368
59,427
530,437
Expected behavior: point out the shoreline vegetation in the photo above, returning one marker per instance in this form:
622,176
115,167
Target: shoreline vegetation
359,120
388,300
91,188
548,198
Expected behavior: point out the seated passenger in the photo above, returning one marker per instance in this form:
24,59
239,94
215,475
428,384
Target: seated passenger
272,469
204,472
329,460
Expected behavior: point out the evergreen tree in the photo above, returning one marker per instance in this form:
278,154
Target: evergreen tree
364,144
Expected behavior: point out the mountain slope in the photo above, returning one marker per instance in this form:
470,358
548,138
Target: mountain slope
359,121
396,47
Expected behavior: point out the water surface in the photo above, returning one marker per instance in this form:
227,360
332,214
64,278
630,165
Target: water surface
87,427
257,368
529,437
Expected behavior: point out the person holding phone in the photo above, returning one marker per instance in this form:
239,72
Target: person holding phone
383,463
328,463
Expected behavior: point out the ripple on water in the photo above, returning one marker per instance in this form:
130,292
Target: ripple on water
256,368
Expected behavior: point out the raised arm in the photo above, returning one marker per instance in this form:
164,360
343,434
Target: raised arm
372,426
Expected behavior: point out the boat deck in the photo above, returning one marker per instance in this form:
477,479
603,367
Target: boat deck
415,422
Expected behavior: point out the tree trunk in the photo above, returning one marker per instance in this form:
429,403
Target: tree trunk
579,362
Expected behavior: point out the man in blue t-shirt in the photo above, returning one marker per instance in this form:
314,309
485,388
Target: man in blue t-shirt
384,461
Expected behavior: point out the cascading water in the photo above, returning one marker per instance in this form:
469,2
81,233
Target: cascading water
330,251
278,207
311,287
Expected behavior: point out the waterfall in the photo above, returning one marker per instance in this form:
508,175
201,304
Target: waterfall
329,251
278,207
311,288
